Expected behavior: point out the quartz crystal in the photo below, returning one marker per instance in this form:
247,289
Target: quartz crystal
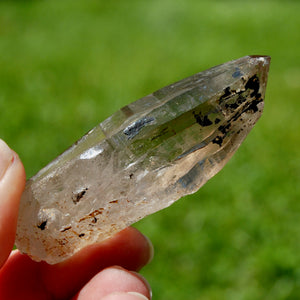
144,157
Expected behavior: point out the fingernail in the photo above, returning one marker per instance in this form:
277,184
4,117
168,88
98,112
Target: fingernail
6,158
125,296
138,295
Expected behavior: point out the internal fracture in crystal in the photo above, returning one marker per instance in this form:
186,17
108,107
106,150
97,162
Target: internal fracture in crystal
141,159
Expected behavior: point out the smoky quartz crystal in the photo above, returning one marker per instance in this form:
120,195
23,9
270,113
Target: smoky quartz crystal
144,157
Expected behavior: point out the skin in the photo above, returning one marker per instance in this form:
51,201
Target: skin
101,271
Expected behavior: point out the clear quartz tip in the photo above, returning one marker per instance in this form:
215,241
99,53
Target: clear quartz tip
143,158
265,58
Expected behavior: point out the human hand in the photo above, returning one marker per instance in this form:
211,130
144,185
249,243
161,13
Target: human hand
87,275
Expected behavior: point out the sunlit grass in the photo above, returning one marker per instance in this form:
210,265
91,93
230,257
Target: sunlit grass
67,65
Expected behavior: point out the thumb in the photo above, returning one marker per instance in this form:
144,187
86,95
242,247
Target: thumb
12,183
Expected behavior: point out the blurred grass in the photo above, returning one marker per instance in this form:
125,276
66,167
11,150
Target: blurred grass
67,65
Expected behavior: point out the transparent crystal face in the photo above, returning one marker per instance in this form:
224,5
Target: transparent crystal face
141,159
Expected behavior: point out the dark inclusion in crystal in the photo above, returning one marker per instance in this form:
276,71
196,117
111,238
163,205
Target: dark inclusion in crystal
252,90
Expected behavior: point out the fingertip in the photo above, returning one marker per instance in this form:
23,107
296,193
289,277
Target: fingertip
6,158
150,248
12,183
116,283
141,248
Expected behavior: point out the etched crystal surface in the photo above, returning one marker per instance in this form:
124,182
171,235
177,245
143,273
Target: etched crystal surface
140,160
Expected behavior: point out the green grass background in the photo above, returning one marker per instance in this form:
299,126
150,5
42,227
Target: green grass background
67,65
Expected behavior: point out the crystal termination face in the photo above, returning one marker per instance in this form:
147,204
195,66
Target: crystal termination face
144,157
